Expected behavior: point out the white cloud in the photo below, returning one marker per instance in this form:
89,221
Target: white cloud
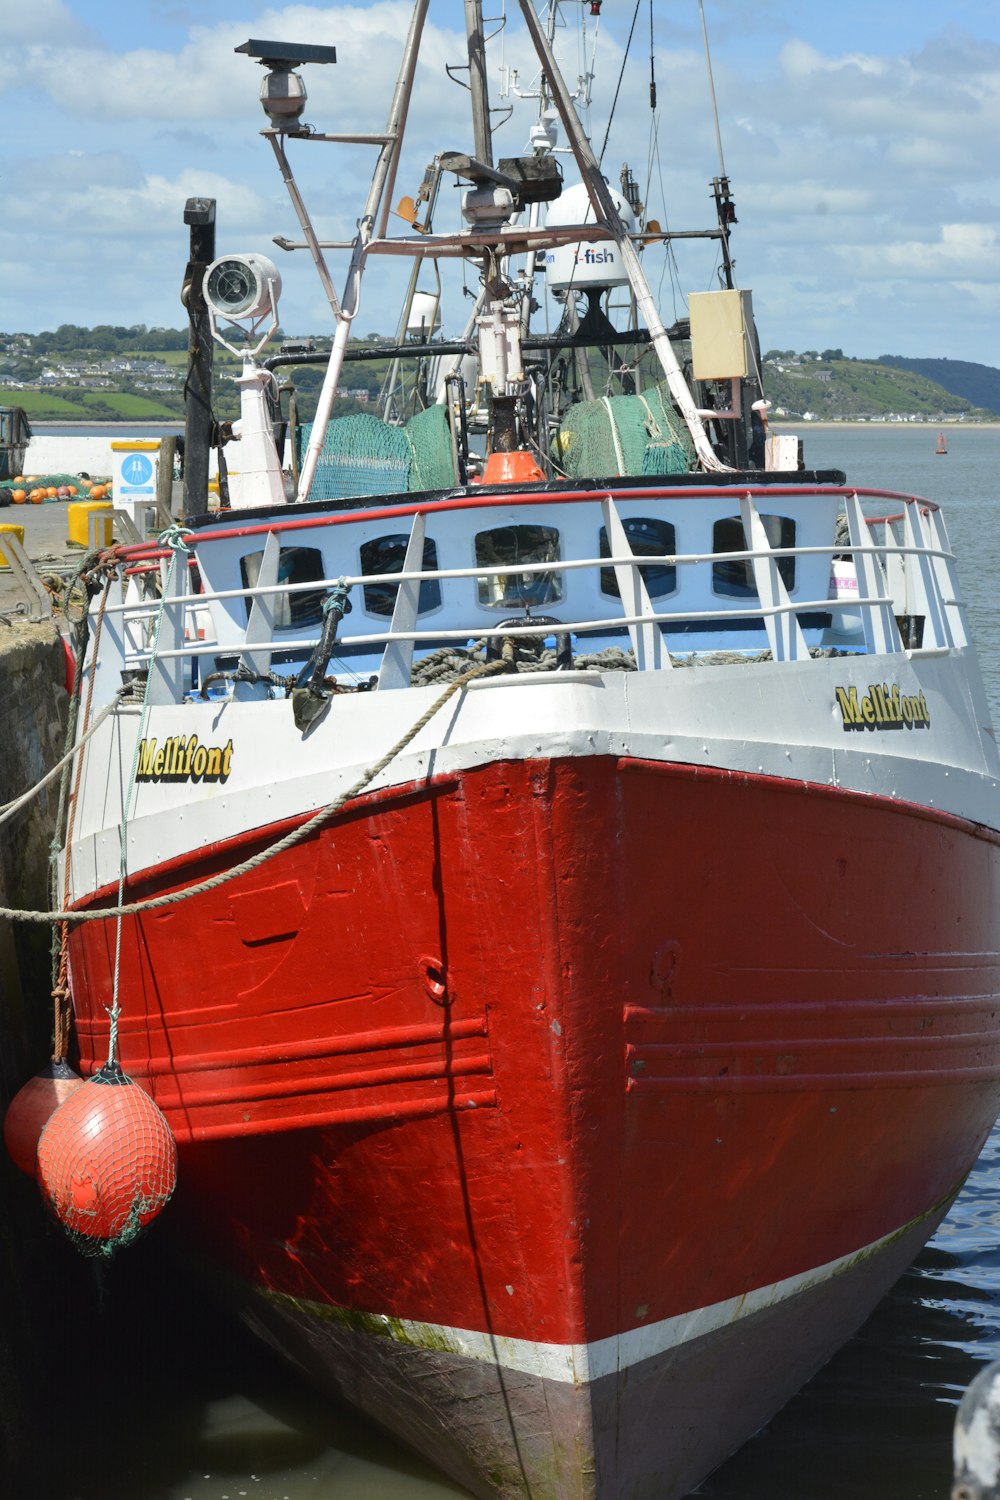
801,61
865,176
207,80
38,21
962,250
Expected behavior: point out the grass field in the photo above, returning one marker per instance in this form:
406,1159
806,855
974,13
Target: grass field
40,404
72,404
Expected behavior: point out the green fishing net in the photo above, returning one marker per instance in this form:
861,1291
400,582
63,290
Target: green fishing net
623,435
364,456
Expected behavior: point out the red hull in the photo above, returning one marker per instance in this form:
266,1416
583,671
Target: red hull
558,1052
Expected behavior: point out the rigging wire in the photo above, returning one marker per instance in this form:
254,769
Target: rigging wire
653,159
669,254
621,75
711,87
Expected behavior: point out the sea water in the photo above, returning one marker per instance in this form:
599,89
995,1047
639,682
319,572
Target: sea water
176,1402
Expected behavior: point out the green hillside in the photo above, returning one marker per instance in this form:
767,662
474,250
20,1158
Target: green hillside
107,374
979,384
829,387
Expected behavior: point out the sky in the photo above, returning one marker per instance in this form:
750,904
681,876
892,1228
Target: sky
861,139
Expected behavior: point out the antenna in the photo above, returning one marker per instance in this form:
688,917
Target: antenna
283,93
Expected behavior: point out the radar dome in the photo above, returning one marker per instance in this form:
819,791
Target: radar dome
584,264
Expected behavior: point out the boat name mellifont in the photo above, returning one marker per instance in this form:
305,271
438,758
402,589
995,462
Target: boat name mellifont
182,757
883,707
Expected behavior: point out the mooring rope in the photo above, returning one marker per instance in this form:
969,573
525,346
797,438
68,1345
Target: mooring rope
173,537
296,836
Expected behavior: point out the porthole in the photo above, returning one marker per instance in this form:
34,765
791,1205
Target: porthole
508,548
295,565
735,577
648,537
385,554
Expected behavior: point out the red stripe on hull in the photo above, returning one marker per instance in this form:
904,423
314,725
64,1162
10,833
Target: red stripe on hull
701,1032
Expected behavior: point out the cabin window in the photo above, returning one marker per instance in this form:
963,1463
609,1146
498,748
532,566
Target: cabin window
735,578
385,554
295,565
509,548
648,538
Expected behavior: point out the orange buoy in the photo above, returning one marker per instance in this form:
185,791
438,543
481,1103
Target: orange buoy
31,1108
107,1162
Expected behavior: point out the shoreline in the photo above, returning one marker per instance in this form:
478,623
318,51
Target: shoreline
784,423
788,424
39,425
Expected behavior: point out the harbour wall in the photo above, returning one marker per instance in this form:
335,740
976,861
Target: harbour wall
90,453
33,705
73,454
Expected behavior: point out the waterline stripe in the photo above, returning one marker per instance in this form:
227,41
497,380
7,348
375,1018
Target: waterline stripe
574,1364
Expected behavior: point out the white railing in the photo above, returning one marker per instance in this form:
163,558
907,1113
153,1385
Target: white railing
912,575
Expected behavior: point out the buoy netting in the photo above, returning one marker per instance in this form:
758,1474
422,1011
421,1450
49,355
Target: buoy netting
107,1162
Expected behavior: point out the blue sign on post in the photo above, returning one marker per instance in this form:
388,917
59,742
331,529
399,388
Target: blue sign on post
135,476
136,471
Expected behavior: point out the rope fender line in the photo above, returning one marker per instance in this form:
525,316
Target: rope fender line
296,836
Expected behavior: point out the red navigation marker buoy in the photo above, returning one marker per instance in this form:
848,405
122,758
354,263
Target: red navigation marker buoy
31,1108
107,1162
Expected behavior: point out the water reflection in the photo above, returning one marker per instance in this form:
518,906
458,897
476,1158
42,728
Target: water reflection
163,1397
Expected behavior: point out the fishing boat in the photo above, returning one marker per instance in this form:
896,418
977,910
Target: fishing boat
538,845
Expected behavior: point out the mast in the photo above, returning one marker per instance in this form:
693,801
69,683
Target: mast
482,133
604,208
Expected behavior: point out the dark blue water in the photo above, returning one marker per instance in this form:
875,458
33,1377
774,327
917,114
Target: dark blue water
174,1403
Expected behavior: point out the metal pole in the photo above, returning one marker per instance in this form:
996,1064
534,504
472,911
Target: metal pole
382,183
165,482
199,214
477,82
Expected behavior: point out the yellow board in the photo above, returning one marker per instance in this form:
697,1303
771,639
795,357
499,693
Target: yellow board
79,533
18,531
720,334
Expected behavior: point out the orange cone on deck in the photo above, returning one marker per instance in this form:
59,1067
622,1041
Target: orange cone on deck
517,467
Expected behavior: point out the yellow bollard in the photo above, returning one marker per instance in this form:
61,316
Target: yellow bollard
18,532
85,515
